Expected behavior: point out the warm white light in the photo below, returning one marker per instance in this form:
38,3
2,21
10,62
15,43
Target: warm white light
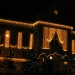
73,46
19,40
7,35
48,34
15,59
31,41
10,22
7,38
65,63
50,57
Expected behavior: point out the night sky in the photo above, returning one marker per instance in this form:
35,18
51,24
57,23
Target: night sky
27,10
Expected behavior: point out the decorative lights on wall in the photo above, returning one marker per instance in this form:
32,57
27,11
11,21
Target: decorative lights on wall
19,40
48,34
62,35
10,22
73,46
7,38
31,41
15,59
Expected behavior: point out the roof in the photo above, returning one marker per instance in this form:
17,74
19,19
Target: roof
10,22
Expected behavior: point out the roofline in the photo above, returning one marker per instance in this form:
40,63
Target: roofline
11,22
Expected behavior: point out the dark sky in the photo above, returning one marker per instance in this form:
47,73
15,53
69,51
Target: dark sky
26,10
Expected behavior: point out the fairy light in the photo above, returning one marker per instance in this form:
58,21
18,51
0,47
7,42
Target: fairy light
73,46
62,35
7,38
48,34
19,59
50,57
16,59
10,22
1,45
45,36
19,40
65,63
73,32
51,34
13,46
64,45
31,41
61,38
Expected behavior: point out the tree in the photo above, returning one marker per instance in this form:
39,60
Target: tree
7,64
32,64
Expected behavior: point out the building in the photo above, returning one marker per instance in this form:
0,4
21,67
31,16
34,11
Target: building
49,40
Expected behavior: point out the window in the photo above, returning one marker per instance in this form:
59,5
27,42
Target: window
1,36
55,41
25,39
13,38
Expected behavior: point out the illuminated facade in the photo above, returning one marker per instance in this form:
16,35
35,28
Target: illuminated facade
48,40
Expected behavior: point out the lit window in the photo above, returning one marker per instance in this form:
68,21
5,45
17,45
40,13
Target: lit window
13,37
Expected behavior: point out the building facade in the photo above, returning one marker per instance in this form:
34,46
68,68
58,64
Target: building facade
50,41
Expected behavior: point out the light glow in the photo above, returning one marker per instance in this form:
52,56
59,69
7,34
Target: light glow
50,57
1,45
65,63
15,59
13,46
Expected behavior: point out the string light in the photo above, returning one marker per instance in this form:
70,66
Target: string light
73,32
16,59
73,46
31,41
35,23
50,55
13,46
7,38
1,45
48,34
19,40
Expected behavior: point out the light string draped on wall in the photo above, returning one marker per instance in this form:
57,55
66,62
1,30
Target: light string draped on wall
48,34
19,42
31,41
7,38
